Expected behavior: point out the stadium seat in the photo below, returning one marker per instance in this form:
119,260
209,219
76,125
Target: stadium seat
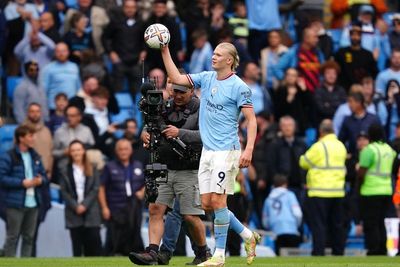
335,34
124,100
7,136
12,83
122,116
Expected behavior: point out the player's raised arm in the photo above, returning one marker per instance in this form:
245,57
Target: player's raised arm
172,70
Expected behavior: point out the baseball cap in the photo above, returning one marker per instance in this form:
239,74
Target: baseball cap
396,16
362,134
180,88
366,9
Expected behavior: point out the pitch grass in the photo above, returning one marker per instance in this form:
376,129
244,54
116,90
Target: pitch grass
231,261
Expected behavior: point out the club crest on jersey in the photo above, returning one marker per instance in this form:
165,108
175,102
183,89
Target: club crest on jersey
214,91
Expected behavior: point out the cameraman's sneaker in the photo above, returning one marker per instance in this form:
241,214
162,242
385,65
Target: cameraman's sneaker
250,247
198,259
144,258
214,261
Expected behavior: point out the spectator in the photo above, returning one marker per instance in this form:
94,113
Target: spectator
29,91
123,41
325,42
341,8
239,22
131,134
79,188
355,62
43,143
77,38
261,184
293,99
260,25
369,36
159,77
358,121
21,176
260,96
84,97
270,57
392,105
375,183
48,28
325,162
69,131
282,214
121,197
394,34
22,18
98,20
160,15
202,54
306,58
60,76
284,154
218,21
57,118
330,95
35,47
393,72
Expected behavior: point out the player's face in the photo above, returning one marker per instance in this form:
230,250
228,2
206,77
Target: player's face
221,59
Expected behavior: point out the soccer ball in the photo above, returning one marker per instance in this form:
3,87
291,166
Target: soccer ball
156,36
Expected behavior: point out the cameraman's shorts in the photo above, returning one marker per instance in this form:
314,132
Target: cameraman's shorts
184,186
218,171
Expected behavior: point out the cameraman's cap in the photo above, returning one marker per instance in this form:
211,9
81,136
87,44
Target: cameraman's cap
180,88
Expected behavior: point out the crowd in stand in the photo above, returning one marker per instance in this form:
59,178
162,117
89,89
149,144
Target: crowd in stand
305,62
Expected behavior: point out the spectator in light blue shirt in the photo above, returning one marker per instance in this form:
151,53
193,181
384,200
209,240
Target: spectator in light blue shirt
393,72
60,76
282,214
263,16
202,54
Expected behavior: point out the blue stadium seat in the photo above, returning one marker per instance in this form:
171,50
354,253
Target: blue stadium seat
122,116
336,34
124,100
7,136
12,83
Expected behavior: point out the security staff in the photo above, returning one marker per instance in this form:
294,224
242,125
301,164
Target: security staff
375,182
325,162
181,118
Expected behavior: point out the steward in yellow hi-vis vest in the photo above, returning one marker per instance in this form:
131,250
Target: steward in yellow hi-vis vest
375,182
325,162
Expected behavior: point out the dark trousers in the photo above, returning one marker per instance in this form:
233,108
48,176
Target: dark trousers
131,72
86,241
286,241
124,229
373,211
257,41
20,222
237,204
325,218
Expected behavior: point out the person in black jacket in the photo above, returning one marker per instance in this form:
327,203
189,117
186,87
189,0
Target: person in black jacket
22,175
160,15
79,188
284,154
123,42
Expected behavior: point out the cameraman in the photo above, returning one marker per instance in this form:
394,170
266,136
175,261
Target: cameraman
181,119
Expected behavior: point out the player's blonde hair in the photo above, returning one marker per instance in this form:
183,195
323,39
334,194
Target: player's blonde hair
231,49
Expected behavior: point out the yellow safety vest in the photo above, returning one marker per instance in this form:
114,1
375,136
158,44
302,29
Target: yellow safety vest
325,162
378,179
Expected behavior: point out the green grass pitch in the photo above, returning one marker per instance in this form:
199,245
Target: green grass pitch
231,261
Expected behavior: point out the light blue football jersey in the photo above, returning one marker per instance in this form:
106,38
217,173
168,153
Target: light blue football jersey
220,105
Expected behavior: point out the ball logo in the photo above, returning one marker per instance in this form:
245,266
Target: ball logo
156,36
